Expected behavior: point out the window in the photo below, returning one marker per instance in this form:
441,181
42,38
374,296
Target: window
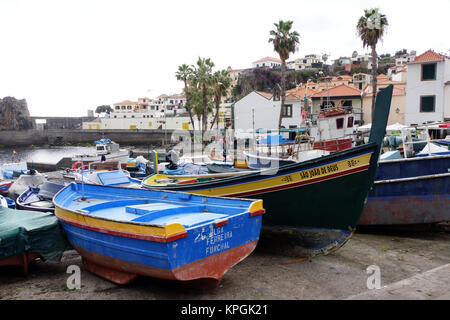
287,111
429,72
129,107
339,123
123,107
350,122
117,107
427,103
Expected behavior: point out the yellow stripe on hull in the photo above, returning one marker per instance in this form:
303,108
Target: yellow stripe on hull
132,228
338,167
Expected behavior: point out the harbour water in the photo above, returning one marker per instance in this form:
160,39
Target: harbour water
40,154
51,155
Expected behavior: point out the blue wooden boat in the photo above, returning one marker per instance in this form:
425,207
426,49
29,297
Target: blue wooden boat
122,233
409,191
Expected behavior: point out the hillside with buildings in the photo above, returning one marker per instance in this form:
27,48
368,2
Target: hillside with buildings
421,93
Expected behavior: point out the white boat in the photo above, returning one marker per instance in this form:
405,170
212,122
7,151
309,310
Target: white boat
108,173
107,148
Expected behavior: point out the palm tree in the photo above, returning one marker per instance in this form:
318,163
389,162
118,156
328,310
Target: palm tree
284,43
202,80
370,28
221,84
184,73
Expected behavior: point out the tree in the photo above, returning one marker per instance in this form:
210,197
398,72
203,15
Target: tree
284,42
202,80
103,108
184,73
221,84
370,28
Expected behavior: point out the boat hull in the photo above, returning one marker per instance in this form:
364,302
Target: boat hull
402,197
307,194
121,251
207,271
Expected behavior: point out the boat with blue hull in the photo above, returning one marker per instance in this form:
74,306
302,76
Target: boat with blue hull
122,233
409,191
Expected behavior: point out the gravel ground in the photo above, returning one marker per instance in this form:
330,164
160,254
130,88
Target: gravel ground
272,271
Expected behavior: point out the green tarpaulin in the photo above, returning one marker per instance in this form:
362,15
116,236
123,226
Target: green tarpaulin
31,231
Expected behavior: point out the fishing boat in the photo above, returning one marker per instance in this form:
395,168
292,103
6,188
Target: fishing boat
410,190
40,198
122,233
23,182
103,147
107,173
325,195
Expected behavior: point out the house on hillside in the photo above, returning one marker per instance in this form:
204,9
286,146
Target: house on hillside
267,62
428,89
361,80
339,96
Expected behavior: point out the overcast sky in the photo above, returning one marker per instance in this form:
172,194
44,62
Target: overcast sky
65,57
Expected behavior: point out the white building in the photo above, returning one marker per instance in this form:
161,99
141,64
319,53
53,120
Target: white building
404,59
267,62
428,89
258,110
363,59
307,62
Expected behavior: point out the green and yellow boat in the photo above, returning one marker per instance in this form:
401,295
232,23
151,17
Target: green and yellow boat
322,198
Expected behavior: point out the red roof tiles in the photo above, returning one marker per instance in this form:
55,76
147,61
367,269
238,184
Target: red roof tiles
268,59
429,55
342,90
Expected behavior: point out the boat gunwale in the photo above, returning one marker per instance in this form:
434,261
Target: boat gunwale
425,177
247,210
369,147
428,157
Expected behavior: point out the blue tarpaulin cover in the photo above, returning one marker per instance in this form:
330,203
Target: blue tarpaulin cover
102,141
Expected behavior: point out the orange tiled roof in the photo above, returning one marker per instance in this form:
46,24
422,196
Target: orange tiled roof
292,97
429,55
268,59
397,91
266,95
343,77
341,90
387,81
300,92
126,102
382,76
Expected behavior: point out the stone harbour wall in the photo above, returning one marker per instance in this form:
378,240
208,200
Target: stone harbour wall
10,138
